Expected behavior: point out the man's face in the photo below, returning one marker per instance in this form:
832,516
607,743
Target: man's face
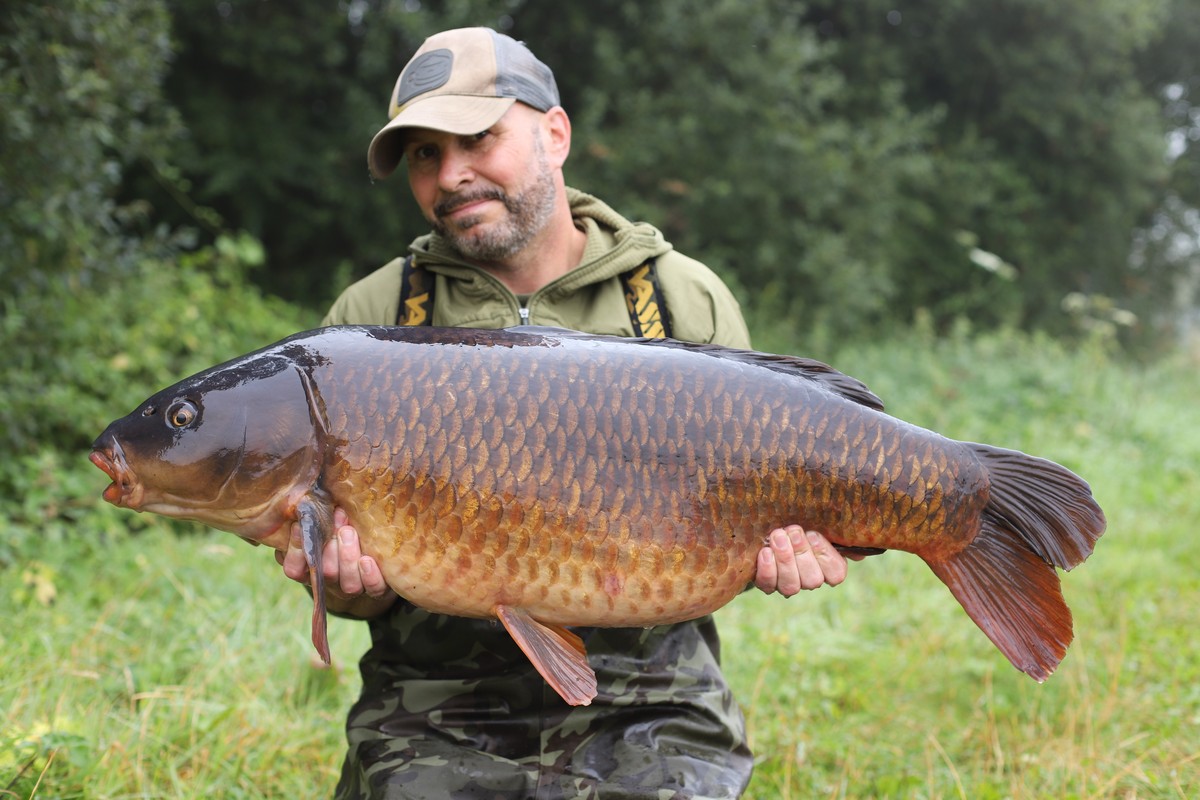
489,194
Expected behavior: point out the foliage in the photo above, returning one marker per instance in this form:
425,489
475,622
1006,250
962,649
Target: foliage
278,127
110,347
114,341
828,158
883,687
798,207
143,676
79,81
1048,149
1164,265
81,102
98,307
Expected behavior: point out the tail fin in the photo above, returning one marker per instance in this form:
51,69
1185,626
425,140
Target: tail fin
1040,516
1048,505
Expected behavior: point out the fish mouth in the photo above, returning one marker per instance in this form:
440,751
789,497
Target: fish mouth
125,490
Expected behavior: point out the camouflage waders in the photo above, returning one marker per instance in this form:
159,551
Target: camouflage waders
451,709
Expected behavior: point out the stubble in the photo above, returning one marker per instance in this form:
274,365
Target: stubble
528,214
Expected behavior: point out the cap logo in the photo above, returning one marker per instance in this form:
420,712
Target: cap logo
427,72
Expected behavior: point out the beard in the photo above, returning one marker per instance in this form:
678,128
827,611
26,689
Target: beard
527,215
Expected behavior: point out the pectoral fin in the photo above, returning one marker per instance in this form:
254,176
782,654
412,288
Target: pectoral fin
316,522
557,653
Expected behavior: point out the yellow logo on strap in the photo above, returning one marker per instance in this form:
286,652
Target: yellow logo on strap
641,303
415,309
417,300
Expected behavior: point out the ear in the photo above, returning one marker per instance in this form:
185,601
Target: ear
556,132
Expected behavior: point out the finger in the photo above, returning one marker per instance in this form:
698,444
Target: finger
295,565
766,577
349,578
832,563
790,560
372,577
809,574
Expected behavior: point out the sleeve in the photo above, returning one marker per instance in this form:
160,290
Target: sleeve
374,300
701,306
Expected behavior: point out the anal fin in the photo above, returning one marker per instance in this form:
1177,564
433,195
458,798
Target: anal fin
555,652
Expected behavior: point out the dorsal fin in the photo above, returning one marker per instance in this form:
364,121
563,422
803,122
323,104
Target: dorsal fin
807,368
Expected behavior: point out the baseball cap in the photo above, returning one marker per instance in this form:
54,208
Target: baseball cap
460,81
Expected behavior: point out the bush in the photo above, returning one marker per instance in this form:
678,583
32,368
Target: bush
80,357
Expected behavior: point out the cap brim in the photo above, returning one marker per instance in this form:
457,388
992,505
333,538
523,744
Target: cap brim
456,114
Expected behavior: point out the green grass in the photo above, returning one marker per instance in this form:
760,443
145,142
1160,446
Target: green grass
883,687
178,665
170,666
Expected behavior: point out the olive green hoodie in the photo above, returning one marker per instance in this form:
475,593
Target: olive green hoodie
588,298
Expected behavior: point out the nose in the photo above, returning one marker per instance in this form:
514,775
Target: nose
455,168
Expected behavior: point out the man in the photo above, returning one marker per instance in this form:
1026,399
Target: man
450,707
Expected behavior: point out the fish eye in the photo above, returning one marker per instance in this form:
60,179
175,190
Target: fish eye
181,414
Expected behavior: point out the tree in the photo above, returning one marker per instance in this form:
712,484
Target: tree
80,84
99,305
796,205
1049,152
845,162
1166,263
280,101
732,130
80,81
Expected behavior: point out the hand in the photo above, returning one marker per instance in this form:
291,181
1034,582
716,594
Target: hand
354,584
794,559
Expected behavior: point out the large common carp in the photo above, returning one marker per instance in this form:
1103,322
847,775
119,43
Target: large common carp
549,479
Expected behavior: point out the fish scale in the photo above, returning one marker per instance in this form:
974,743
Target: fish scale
550,479
564,427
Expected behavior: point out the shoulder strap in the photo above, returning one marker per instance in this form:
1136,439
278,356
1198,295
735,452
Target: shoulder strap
416,295
644,299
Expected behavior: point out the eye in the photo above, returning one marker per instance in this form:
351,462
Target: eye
422,152
181,414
